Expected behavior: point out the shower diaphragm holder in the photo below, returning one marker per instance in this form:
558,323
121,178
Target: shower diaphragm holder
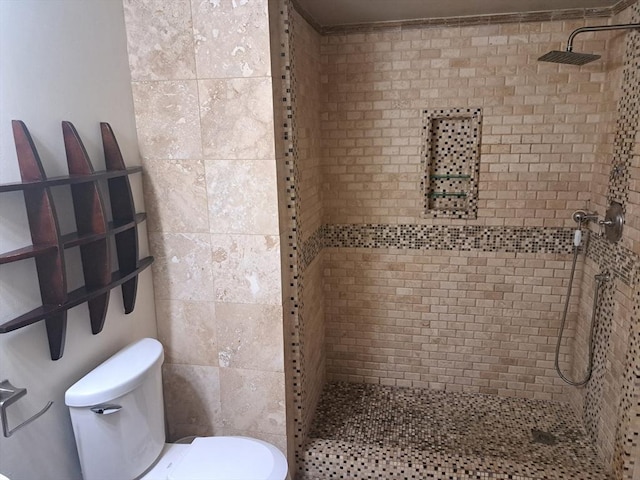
612,224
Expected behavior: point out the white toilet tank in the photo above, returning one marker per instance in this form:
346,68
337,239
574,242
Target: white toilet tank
117,413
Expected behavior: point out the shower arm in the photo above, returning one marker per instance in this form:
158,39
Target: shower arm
598,28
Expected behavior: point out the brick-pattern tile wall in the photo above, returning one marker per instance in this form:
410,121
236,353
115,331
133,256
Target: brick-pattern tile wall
304,184
306,69
610,402
541,121
483,318
313,337
542,126
461,321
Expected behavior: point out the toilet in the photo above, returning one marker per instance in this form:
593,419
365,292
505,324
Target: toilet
118,422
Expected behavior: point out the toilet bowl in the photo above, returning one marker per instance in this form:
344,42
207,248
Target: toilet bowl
219,458
118,422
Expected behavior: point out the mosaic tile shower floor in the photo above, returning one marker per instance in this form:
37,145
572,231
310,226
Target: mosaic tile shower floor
378,432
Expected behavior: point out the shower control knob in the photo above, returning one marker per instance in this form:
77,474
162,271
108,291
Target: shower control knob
613,222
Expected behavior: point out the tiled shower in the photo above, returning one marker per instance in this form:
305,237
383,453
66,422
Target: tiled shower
389,297
310,262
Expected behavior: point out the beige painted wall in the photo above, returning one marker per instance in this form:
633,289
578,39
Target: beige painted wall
63,60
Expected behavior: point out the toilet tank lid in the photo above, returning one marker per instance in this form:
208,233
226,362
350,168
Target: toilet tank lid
117,376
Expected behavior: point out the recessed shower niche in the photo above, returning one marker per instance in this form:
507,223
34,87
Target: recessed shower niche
451,159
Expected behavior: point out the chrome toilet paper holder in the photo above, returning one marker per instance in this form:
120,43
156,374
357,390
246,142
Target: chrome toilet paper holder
8,396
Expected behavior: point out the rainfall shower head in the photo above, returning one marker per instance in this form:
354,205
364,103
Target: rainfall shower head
570,57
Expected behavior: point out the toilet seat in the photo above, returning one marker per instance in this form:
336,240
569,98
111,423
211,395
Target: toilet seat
226,458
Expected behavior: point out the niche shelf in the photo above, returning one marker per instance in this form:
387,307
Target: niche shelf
92,236
451,162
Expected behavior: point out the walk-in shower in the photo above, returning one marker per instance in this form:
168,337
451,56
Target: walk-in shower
569,57
427,345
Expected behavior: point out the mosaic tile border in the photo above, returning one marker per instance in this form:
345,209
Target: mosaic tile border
627,455
447,237
311,248
627,123
594,397
622,262
437,237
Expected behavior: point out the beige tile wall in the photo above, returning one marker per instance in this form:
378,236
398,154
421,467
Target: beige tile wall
547,146
303,56
609,401
540,120
475,321
307,72
627,446
284,168
460,321
599,402
540,136
602,427
203,96
480,321
313,339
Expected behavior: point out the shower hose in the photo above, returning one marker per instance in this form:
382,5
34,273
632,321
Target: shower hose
599,278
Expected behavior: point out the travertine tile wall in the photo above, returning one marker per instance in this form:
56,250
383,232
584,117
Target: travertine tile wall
611,400
306,70
461,321
539,120
540,136
546,142
203,93
301,177
485,319
278,27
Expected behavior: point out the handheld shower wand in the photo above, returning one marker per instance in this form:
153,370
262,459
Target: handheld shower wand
580,217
